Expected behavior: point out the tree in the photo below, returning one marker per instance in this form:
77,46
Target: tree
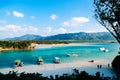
107,13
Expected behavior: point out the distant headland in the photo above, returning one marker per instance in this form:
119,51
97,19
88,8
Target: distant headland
25,44
81,36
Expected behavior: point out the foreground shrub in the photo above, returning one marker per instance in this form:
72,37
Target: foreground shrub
76,75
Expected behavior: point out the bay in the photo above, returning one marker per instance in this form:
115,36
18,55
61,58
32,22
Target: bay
86,51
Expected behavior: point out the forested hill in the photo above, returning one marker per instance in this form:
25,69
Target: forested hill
67,36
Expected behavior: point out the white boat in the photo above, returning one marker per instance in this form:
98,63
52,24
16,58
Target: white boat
18,63
57,60
40,60
73,54
102,49
68,55
106,50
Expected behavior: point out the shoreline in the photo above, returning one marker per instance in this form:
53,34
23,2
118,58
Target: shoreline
59,45
35,46
11,49
31,47
54,69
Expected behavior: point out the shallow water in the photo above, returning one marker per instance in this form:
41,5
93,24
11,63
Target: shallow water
89,51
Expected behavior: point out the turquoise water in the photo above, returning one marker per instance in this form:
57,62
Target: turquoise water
85,52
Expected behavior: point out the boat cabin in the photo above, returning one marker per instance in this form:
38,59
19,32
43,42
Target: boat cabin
40,60
18,63
57,60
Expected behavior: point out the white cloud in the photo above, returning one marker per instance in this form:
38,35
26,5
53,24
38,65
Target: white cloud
48,29
13,28
53,17
60,30
32,17
18,14
93,31
32,29
75,21
65,24
16,29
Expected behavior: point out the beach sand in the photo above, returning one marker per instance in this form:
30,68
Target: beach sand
59,45
53,69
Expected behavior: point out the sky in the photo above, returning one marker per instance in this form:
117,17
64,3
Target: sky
46,17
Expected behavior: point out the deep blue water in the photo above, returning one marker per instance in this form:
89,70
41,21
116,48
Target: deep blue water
85,52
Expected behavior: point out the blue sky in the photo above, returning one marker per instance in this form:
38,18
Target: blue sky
47,17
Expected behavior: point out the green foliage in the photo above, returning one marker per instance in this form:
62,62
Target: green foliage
82,36
15,44
107,13
36,76
116,64
27,43
50,42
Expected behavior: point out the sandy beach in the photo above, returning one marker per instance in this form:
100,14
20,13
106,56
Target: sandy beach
53,69
59,45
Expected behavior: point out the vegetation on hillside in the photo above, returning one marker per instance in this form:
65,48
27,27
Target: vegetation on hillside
15,44
26,44
50,42
98,36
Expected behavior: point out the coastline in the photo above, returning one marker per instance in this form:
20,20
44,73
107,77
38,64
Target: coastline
10,49
30,47
35,46
54,69
59,45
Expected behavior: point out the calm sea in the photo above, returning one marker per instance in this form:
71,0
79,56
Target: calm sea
89,51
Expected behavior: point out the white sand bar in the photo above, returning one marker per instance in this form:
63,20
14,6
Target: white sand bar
53,69
59,45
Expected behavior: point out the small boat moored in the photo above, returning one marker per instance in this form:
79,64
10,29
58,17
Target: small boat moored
40,60
73,54
91,61
102,49
18,63
106,50
57,60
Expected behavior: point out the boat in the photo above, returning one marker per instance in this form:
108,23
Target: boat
106,50
102,49
18,63
73,54
91,61
40,60
57,60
